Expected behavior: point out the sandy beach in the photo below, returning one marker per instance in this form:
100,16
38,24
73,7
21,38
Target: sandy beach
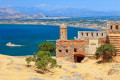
14,68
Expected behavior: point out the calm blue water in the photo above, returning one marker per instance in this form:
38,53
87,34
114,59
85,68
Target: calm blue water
30,35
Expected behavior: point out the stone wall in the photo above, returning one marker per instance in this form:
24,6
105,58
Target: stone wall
113,27
67,48
91,35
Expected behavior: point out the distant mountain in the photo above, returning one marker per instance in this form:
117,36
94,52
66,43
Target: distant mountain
26,10
6,13
75,12
66,12
36,13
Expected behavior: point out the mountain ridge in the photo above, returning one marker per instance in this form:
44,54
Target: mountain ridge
6,13
37,13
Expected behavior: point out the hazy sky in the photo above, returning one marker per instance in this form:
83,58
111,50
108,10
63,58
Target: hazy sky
55,4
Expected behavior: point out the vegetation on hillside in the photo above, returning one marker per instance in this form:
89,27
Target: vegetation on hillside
107,52
48,46
43,59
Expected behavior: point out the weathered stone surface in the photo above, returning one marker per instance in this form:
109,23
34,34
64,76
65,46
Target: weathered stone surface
76,79
31,71
60,62
66,48
66,58
8,68
112,71
65,69
19,64
17,68
67,77
11,61
117,66
78,76
36,79
73,65
99,78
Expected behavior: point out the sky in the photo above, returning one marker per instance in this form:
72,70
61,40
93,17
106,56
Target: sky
99,5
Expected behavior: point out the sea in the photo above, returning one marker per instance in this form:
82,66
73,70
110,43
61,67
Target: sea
30,36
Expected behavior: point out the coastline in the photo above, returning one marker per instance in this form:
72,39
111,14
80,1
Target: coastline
57,26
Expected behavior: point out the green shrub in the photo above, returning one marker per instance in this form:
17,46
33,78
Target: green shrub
28,60
47,46
106,51
43,60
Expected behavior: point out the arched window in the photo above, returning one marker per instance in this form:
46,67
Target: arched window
111,27
75,50
66,50
97,34
92,34
82,34
60,50
102,34
87,34
116,26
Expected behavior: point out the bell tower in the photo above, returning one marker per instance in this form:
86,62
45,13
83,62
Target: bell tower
63,32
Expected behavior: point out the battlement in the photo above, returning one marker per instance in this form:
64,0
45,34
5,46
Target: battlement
93,35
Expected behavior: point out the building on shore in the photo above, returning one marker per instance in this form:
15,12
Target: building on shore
87,42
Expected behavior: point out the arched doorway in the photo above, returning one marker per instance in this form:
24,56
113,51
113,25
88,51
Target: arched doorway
78,56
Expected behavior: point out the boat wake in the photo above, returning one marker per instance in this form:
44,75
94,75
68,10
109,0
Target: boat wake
13,45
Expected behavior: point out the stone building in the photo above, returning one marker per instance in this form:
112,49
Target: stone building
113,34
87,42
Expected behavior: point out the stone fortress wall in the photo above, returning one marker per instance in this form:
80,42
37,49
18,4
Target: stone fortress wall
87,42
92,35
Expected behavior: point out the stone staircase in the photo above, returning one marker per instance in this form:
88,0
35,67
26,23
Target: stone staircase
115,40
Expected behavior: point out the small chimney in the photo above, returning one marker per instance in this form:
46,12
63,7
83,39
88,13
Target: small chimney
74,38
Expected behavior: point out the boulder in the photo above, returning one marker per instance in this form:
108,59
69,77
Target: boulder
66,58
76,79
73,65
17,68
60,62
36,79
67,77
19,64
8,68
112,71
78,76
65,69
31,71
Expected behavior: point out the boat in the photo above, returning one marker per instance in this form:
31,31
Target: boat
12,45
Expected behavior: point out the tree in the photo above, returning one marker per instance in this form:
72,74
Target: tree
47,46
106,51
45,61
34,56
29,59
